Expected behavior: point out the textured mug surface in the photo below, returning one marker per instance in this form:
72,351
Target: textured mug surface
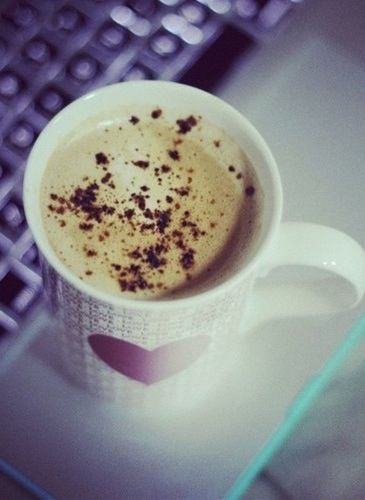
111,344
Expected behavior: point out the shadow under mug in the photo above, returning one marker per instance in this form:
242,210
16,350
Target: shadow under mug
140,349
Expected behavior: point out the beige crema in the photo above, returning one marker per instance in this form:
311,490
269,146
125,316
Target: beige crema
150,203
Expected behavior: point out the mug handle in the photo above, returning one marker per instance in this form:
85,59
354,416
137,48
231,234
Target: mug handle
331,253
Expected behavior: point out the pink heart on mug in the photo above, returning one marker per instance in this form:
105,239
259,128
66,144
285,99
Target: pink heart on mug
147,366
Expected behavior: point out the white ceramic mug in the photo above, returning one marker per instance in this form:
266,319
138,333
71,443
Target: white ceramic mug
121,347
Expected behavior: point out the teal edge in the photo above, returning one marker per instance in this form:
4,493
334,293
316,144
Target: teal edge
298,410
23,481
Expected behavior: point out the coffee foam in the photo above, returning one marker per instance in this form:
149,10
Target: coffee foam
150,203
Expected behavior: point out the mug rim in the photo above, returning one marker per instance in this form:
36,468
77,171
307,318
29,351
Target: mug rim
49,255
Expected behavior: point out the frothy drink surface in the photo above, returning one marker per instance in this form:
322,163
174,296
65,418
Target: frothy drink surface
148,203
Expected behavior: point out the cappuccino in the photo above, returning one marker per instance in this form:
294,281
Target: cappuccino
148,203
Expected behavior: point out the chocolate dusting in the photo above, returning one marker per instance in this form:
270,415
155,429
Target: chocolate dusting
83,200
182,191
147,227
133,283
170,226
185,125
139,200
106,178
101,159
153,259
135,254
174,154
136,277
141,163
148,213
156,113
84,226
163,219
250,190
187,259
129,212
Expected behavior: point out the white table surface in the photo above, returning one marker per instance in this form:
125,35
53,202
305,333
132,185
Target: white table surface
305,92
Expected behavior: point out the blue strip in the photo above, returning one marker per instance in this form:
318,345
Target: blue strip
302,405
24,481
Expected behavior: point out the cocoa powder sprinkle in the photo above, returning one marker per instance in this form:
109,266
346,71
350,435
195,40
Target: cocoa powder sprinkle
148,213
101,159
129,212
85,200
163,219
250,190
182,191
140,201
156,113
141,163
153,259
174,154
106,178
185,125
84,226
187,259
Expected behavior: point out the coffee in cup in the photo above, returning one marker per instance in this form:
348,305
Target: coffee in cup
148,203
